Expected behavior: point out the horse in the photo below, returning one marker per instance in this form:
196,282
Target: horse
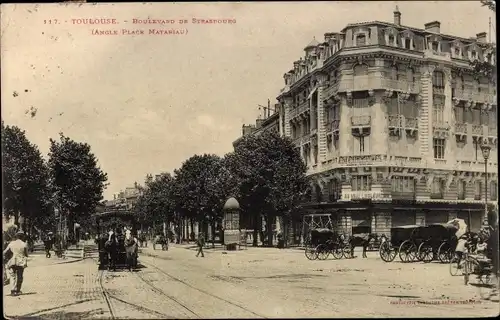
360,240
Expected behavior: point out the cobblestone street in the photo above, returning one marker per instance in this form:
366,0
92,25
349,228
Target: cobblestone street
252,283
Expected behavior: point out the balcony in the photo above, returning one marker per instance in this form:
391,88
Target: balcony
477,131
435,55
461,131
330,91
403,195
300,109
401,85
395,124
360,83
474,96
360,125
440,129
411,126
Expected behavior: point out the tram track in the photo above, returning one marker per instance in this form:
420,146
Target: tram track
108,297
161,271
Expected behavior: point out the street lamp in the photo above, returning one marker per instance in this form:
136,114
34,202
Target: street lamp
486,154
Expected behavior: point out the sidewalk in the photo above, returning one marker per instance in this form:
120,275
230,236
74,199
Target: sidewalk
57,291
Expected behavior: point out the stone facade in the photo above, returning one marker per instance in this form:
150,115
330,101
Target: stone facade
386,114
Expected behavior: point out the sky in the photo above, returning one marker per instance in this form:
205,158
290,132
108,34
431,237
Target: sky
146,103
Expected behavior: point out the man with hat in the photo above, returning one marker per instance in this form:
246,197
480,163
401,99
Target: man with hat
19,261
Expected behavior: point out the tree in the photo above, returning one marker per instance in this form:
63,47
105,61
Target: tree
271,176
25,175
491,4
76,180
155,204
202,185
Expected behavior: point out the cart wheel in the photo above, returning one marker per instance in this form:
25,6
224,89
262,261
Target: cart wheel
425,252
404,250
310,253
387,253
322,252
454,268
445,253
337,252
346,251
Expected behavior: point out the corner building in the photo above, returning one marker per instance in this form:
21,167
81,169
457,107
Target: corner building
389,120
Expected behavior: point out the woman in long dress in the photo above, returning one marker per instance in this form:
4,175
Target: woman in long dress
18,262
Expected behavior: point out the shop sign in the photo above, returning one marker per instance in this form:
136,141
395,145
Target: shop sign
362,195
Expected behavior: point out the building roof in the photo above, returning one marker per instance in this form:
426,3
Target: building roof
314,43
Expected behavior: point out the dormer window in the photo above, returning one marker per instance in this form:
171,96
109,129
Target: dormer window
360,40
457,52
474,55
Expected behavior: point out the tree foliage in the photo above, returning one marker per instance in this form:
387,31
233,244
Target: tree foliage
202,185
155,204
271,176
25,178
77,181
491,4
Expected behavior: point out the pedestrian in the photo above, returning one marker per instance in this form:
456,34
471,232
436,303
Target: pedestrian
130,249
48,243
111,249
200,242
18,262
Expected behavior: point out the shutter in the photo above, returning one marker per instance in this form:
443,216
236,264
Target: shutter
403,218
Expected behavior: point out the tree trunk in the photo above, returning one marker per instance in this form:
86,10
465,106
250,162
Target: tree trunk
213,234
284,231
269,235
255,229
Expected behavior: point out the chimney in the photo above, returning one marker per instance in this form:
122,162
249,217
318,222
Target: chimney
397,16
481,37
433,26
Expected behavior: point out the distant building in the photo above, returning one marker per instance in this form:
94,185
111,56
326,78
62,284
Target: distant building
270,123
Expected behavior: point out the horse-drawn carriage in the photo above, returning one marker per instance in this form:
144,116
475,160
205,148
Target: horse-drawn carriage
323,242
439,241
111,241
160,240
420,243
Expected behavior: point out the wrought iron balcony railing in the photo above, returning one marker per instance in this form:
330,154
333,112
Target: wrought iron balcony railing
477,129
401,85
403,195
411,123
395,121
461,128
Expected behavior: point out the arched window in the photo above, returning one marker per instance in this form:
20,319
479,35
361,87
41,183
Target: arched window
360,40
360,70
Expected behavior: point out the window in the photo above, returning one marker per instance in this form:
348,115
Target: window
476,116
457,52
361,145
315,152
439,148
435,46
361,183
438,80
318,194
462,187
402,184
392,40
437,189
478,190
459,114
493,191
335,190
473,54
336,142
477,148
438,113
360,40
408,43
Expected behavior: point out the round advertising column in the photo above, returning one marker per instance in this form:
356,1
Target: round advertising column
231,225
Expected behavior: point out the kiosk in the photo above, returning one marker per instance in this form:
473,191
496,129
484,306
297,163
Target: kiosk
231,224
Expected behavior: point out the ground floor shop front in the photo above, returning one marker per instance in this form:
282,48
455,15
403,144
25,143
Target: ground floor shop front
379,218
